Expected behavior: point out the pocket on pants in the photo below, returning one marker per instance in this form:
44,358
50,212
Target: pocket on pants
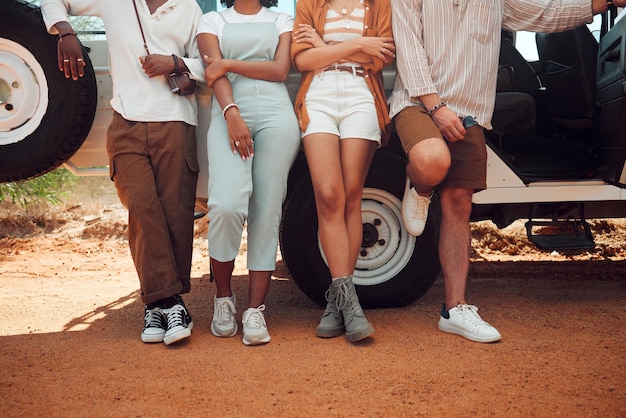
192,162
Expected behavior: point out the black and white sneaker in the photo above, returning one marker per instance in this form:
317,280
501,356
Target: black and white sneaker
155,326
179,323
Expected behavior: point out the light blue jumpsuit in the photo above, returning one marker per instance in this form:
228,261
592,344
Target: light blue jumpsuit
251,190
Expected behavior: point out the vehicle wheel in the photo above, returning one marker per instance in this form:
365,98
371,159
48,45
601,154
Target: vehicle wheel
393,269
44,117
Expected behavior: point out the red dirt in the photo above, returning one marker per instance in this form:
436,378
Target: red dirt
71,319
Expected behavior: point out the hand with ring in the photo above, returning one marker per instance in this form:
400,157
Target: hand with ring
380,47
239,135
70,58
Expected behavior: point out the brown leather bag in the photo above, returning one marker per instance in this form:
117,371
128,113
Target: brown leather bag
180,82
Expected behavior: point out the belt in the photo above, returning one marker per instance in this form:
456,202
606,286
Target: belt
347,68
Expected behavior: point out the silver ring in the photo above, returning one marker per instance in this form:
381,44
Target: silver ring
79,59
383,51
66,60
236,143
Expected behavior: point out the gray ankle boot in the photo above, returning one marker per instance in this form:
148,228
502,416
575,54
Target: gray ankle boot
347,303
331,324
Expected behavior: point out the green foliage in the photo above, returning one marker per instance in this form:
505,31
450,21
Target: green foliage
82,24
49,187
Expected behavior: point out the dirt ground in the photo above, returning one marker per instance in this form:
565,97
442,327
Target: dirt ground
71,318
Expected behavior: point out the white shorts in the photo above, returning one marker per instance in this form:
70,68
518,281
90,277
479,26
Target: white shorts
341,104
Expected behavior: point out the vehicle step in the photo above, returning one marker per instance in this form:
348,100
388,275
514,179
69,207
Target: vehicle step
572,234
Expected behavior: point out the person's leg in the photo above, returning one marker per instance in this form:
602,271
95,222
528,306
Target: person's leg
323,157
223,323
148,231
427,152
428,163
222,272
253,321
150,238
276,145
173,156
172,148
467,173
230,188
229,192
356,156
343,312
454,243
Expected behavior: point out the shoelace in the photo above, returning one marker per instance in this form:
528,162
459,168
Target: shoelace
253,317
343,299
419,205
470,315
330,296
225,311
153,319
175,316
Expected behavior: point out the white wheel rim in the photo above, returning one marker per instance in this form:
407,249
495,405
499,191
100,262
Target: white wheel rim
23,92
392,249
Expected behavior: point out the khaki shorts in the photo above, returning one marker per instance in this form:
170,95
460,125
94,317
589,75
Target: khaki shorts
468,169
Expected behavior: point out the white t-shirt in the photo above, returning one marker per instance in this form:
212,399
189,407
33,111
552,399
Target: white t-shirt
168,30
213,23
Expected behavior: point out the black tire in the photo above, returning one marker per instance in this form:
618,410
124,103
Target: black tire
394,268
45,117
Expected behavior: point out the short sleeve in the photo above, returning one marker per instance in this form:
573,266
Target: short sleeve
209,23
284,23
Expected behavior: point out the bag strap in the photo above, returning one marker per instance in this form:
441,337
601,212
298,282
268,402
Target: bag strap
145,44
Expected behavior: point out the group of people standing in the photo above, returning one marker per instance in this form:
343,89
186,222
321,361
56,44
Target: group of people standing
446,53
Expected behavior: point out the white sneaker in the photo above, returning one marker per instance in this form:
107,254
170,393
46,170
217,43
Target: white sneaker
464,320
254,327
224,323
414,209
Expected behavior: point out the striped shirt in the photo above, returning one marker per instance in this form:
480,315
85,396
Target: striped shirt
342,28
451,47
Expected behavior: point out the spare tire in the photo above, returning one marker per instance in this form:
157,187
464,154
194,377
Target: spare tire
393,269
44,117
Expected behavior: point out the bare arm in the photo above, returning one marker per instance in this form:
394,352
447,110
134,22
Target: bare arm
274,70
306,33
238,132
357,50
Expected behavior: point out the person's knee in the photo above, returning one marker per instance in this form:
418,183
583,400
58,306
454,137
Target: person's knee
225,211
330,202
429,161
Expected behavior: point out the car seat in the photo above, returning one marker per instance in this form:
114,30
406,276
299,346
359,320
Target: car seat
568,60
515,109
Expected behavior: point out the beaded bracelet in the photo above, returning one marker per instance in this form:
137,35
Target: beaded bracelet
60,37
434,109
227,108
